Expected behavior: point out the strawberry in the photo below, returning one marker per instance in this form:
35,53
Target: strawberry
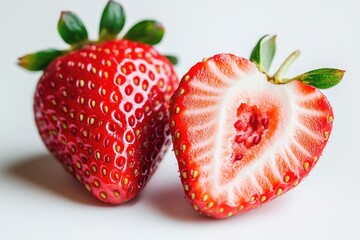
243,137
101,107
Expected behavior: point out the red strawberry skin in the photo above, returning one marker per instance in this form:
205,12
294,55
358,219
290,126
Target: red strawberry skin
103,113
240,146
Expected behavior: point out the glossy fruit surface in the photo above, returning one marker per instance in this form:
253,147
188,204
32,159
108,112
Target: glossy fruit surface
101,107
102,111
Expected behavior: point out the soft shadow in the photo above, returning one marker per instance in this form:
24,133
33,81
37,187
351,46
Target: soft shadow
45,172
170,200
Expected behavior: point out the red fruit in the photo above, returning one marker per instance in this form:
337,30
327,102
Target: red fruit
102,111
240,138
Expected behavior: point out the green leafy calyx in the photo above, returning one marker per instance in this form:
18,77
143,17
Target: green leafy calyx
71,28
147,31
173,59
38,60
73,32
264,52
322,78
112,21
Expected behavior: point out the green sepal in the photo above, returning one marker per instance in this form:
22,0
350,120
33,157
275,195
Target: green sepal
147,31
71,28
255,54
112,21
263,53
39,60
322,78
173,59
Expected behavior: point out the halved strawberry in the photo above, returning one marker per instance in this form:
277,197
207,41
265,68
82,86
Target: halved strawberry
243,137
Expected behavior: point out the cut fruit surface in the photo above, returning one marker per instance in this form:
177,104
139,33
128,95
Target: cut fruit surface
241,140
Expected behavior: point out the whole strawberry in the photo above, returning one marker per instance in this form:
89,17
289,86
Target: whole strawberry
243,137
101,107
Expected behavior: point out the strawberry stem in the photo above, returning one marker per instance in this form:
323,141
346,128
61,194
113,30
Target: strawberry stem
279,75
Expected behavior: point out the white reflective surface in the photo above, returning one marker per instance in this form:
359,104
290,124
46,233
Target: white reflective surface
39,200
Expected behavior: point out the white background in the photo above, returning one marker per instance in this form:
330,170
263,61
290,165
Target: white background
39,200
